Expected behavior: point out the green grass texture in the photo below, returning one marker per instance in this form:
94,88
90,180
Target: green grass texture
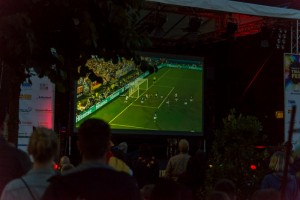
183,113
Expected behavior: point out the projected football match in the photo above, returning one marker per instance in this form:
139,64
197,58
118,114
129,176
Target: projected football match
167,100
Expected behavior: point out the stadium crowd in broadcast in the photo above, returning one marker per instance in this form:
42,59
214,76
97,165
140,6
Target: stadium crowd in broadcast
114,76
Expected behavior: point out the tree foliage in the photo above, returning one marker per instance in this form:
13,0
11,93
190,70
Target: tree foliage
233,152
58,36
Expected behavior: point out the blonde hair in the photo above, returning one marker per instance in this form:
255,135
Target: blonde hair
183,146
277,161
43,144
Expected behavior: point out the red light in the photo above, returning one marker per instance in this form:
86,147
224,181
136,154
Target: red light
55,166
253,167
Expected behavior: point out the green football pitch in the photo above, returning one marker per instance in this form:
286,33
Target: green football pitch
181,113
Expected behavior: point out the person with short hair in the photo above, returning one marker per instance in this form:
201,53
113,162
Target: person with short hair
177,165
93,178
43,146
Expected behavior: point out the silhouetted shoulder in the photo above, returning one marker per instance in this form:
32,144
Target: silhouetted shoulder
94,183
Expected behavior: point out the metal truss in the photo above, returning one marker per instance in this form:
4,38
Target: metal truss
295,37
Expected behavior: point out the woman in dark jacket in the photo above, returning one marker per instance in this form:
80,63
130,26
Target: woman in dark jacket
275,179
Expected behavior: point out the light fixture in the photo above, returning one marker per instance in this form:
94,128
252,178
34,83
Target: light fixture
281,38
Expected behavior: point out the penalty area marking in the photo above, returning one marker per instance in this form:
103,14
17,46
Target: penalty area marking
128,106
137,98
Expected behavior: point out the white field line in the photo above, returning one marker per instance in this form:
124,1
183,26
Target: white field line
134,100
166,97
133,126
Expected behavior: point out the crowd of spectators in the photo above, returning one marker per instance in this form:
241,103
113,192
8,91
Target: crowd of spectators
106,171
115,76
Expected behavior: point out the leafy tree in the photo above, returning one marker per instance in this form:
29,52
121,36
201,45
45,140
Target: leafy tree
234,156
55,37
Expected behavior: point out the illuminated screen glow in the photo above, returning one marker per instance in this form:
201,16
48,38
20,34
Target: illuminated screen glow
167,101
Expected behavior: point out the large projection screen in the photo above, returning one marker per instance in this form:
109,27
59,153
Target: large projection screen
166,101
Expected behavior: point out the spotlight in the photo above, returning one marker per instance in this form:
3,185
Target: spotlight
281,38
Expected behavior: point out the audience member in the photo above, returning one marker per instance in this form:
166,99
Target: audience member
43,146
146,191
123,146
266,194
176,166
93,178
294,168
196,171
116,159
119,164
64,160
66,167
167,189
146,167
218,195
227,186
13,162
120,151
275,178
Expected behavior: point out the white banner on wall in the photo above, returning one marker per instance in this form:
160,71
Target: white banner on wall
36,107
292,97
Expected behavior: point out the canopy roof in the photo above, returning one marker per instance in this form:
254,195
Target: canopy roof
277,9
198,22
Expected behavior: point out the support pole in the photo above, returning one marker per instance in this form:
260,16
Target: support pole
297,36
288,152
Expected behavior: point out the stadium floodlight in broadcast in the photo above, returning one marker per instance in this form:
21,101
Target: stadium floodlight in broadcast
166,102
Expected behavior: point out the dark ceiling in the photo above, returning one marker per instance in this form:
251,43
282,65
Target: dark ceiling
294,4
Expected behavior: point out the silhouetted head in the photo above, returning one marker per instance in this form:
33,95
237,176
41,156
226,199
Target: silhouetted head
227,186
94,136
183,146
